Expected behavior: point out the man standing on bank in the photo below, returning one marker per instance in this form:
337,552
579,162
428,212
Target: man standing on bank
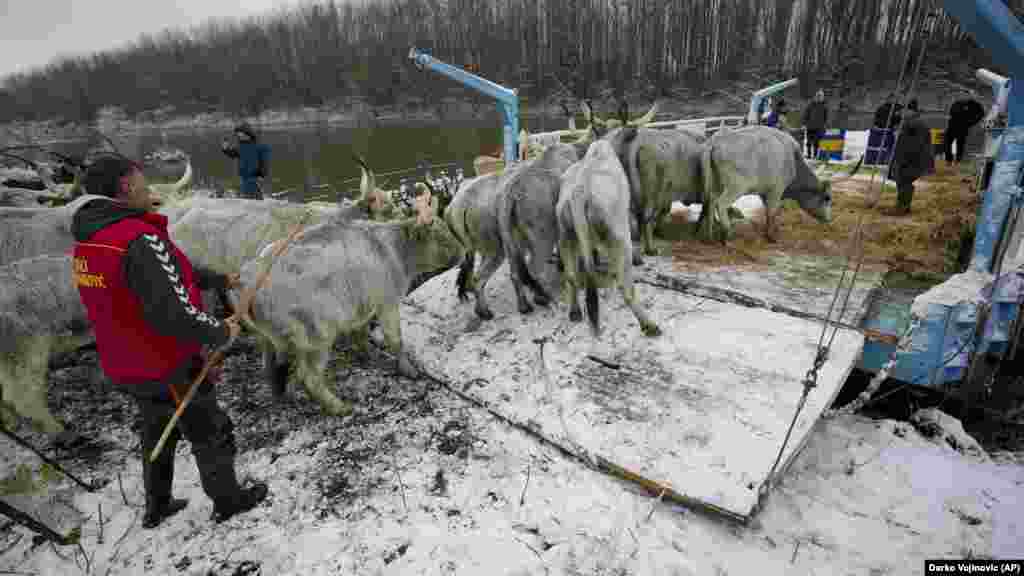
253,161
144,304
815,120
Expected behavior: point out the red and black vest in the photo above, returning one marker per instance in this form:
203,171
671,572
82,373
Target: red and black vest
130,351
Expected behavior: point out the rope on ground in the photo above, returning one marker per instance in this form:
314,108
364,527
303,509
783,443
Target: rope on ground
26,520
89,486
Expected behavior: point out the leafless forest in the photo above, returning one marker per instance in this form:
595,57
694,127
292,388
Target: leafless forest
335,53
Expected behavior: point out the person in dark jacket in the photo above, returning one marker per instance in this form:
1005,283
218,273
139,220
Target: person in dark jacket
882,113
777,117
964,114
142,298
815,120
912,158
841,120
253,160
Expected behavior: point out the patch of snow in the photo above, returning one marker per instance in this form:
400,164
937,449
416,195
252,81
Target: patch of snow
864,497
750,205
966,287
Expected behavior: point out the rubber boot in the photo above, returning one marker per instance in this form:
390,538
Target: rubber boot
244,500
157,477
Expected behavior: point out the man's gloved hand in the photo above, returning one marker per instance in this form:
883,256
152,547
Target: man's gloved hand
234,328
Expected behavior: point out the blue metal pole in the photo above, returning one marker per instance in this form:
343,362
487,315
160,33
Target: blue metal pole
994,27
755,100
508,99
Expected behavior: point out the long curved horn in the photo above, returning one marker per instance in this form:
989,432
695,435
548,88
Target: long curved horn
592,119
185,180
851,174
587,112
648,117
368,182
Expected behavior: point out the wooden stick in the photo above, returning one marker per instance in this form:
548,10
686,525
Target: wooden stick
242,311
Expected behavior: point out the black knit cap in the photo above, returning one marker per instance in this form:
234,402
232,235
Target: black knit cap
103,177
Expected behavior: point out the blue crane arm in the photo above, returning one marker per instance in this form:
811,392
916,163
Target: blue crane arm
995,28
496,91
507,98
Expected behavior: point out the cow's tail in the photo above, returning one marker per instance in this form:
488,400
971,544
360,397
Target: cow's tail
581,226
458,229
710,193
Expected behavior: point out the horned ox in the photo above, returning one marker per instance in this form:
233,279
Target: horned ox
764,161
334,279
599,127
40,314
593,217
510,216
662,166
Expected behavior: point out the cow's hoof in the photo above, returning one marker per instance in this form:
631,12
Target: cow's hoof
463,296
575,315
338,408
541,300
405,368
638,260
68,439
484,314
650,330
525,307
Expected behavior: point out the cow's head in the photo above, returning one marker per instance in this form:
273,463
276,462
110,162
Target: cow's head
598,127
434,246
376,201
820,204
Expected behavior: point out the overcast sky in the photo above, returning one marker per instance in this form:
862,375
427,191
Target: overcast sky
34,32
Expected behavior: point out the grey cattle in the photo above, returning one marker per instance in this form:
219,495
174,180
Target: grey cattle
662,166
593,218
764,161
40,314
333,280
510,216
29,232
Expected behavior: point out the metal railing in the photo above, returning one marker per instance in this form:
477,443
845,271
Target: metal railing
706,125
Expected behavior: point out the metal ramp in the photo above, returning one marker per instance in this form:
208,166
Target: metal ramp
702,410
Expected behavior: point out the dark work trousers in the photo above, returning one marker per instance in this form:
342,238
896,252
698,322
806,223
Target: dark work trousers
251,188
904,194
814,142
210,431
960,136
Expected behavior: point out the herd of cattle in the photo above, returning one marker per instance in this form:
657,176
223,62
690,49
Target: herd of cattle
574,205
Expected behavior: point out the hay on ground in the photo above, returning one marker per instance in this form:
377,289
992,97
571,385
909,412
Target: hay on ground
922,243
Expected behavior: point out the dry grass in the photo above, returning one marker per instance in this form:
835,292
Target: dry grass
944,203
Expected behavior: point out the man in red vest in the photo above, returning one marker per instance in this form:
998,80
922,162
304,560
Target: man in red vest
142,297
